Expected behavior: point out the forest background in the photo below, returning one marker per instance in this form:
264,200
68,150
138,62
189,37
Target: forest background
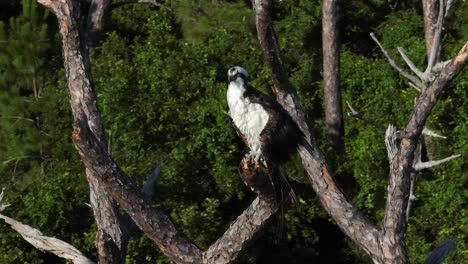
160,75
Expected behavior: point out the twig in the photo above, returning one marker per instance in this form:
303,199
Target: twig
392,62
449,5
355,114
414,86
153,2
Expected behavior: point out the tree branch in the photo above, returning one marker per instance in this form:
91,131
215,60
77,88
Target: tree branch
158,3
394,227
89,139
410,63
241,233
436,42
44,243
349,218
430,19
148,189
356,114
430,164
392,62
98,11
282,87
430,133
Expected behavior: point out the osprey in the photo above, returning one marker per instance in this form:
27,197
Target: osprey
264,126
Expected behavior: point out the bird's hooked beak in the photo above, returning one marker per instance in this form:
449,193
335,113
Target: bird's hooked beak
232,78
237,72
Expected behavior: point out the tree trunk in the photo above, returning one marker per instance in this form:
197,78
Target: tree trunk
331,73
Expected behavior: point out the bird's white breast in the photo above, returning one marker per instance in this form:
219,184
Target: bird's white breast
248,117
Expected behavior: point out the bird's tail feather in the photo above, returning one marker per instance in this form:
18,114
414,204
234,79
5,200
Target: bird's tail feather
287,186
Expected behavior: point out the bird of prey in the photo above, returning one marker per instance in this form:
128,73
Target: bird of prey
266,128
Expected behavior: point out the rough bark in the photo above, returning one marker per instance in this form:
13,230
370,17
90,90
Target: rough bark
331,72
348,217
88,137
241,233
112,236
384,245
395,222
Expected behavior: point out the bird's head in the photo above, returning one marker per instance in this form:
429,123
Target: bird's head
237,72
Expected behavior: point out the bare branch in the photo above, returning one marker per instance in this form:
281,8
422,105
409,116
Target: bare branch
449,5
98,11
430,164
357,115
148,189
240,233
3,206
18,118
439,66
431,95
414,86
430,133
158,3
285,93
411,197
394,226
44,243
410,63
437,39
88,136
392,62
348,217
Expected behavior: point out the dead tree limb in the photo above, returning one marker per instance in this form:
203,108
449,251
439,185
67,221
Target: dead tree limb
241,233
44,243
348,217
386,245
394,228
331,72
430,8
88,137
98,11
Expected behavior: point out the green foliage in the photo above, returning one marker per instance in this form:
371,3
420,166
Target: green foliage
160,79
